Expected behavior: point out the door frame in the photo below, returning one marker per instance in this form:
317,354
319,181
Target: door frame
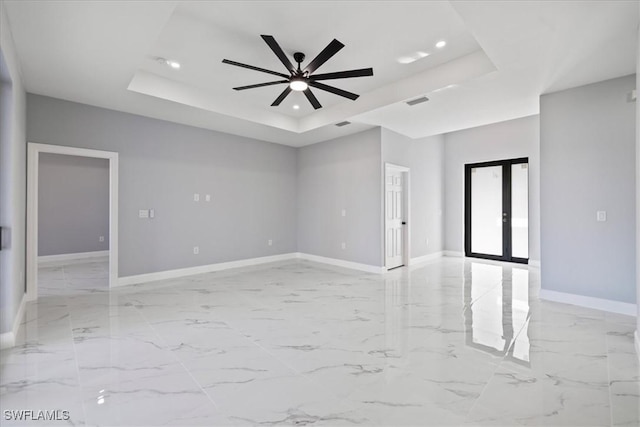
406,188
33,166
506,209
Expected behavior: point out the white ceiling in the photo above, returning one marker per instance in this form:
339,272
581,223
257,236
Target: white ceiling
500,56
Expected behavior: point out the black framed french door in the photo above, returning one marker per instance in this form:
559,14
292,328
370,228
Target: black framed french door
497,210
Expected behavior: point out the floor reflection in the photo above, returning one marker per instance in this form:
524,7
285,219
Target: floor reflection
397,312
496,299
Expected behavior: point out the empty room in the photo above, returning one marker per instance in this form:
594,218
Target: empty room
230,213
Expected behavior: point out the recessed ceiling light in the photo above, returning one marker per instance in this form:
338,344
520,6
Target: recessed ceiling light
296,107
413,57
164,61
406,60
441,44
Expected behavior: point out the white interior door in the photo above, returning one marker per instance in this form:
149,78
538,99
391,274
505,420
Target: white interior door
394,217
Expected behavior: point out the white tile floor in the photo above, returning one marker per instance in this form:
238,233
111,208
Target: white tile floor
452,342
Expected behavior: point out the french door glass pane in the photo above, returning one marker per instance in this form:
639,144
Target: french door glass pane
486,210
520,210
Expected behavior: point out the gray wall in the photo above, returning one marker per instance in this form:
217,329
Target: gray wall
343,173
498,141
162,164
73,204
637,335
396,148
13,176
587,148
424,158
427,196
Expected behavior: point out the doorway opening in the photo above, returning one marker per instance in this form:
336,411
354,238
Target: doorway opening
396,216
497,210
73,224
94,261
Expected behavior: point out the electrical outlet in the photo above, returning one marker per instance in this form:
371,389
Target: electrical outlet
196,250
270,242
101,239
207,198
196,197
344,245
143,213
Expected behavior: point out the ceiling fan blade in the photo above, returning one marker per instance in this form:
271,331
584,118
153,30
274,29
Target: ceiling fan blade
331,49
312,99
251,67
364,72
334,90
282,96
275,47
261,84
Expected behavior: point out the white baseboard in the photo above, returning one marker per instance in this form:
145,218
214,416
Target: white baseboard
8,339
72,257
455,254
342,263
590,302
534,263
426,258
201,269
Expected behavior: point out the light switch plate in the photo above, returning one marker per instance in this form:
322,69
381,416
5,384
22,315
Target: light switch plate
196,197
207,198
601,216
143,213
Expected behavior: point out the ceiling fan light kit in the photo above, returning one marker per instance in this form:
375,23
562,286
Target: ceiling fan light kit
301,80
298,84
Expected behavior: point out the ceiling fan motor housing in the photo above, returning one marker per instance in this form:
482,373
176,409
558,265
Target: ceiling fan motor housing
298,57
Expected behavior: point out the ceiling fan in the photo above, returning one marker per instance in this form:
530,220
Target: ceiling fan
301,80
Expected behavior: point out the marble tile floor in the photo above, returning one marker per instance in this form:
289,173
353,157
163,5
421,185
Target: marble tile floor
73,277
450,342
